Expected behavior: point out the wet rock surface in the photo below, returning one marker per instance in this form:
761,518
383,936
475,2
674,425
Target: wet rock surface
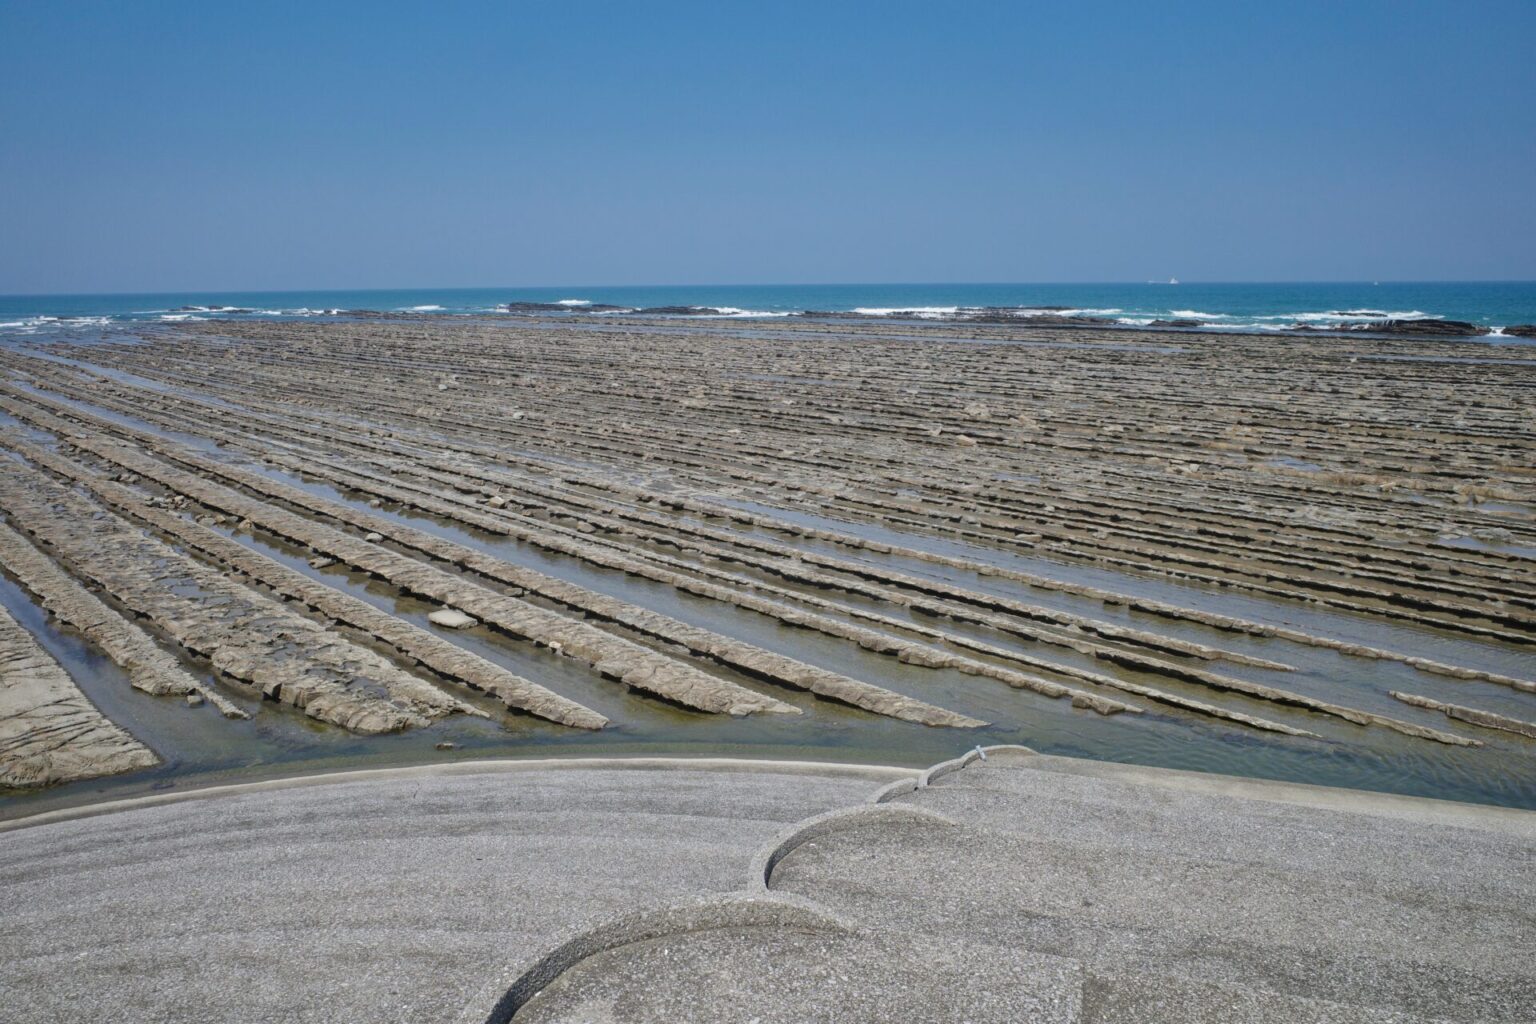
49,731
245,635
852,526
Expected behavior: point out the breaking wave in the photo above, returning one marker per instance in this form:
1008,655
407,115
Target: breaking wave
919,311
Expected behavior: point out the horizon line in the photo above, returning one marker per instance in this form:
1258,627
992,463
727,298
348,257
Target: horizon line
763,284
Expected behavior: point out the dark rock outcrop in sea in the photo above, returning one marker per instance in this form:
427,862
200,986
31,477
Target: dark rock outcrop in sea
1176,323
1521,331
678,311
1033,319
1424,328
536,307
560,307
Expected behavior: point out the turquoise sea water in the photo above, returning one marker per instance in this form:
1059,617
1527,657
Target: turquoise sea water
1231,306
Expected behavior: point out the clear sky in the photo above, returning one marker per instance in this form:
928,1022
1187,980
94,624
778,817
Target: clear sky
210,145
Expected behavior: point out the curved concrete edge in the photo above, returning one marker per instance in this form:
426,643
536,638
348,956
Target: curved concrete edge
760,873
1428,810
1421,809
500,1000
1008,751
476,767
892,790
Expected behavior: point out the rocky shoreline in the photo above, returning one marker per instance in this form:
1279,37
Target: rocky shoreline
1007,528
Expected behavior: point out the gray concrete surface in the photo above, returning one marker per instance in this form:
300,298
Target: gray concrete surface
392,897
1066,890
1018,888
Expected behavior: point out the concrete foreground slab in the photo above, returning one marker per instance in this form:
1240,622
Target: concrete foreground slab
1018,887
391,897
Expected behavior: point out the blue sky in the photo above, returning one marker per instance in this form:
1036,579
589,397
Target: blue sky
179,146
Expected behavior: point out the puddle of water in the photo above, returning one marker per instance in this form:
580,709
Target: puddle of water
201,747
1286,462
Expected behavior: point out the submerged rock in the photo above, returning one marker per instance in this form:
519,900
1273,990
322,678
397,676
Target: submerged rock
452,618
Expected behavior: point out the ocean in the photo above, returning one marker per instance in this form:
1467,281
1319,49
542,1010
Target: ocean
1229,306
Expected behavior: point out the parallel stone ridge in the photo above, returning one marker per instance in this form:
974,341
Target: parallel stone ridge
815,525
49,731
1477,716
149,667
245,635
412,641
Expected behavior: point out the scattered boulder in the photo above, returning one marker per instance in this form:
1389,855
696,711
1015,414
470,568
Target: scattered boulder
452,618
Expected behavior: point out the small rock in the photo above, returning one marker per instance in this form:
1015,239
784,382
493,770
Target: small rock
321,562
373,538
451,618
374,503
497,501
965,441
446,745
194,700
